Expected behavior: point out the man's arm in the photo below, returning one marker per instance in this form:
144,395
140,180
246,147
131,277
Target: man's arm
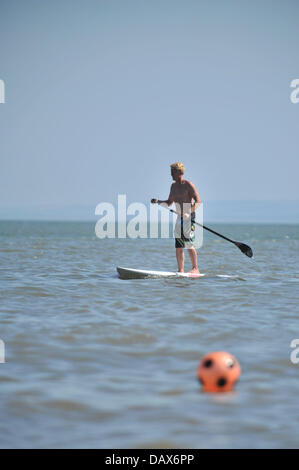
168,201
195,196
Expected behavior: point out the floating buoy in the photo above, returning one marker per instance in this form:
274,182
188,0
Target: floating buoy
218,372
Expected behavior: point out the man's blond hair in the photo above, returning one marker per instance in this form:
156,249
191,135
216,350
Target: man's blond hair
178,166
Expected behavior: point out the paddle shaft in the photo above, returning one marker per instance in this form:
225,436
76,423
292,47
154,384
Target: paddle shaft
242,246
206,228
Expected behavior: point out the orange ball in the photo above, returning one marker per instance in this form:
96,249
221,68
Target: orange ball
218,372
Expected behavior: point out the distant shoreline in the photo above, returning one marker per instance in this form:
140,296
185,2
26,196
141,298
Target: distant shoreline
207,222
243,212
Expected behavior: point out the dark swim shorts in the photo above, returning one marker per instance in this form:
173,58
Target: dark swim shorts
189,234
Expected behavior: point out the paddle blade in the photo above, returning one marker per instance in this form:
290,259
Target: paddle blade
245,249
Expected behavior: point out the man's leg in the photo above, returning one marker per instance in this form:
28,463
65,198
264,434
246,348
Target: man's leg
180,259
193,257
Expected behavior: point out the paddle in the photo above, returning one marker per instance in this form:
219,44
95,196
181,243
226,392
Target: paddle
244,248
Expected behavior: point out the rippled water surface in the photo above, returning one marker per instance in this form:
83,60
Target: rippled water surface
95,361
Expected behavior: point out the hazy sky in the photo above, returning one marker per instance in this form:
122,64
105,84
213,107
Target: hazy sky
101,96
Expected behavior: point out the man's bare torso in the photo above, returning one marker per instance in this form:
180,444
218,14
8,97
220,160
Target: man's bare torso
183,195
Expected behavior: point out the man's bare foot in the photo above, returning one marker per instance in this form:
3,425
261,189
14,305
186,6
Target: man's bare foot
194,271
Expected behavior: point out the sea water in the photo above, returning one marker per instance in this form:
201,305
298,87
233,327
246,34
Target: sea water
92,361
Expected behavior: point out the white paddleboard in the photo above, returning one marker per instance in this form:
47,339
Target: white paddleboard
128,273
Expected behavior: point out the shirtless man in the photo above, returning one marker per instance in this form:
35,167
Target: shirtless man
186,198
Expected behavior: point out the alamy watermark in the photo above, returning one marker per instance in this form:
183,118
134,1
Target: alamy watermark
294,356
294,97
139,221
2,91
2,352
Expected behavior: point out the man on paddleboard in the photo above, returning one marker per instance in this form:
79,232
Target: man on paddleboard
186,198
